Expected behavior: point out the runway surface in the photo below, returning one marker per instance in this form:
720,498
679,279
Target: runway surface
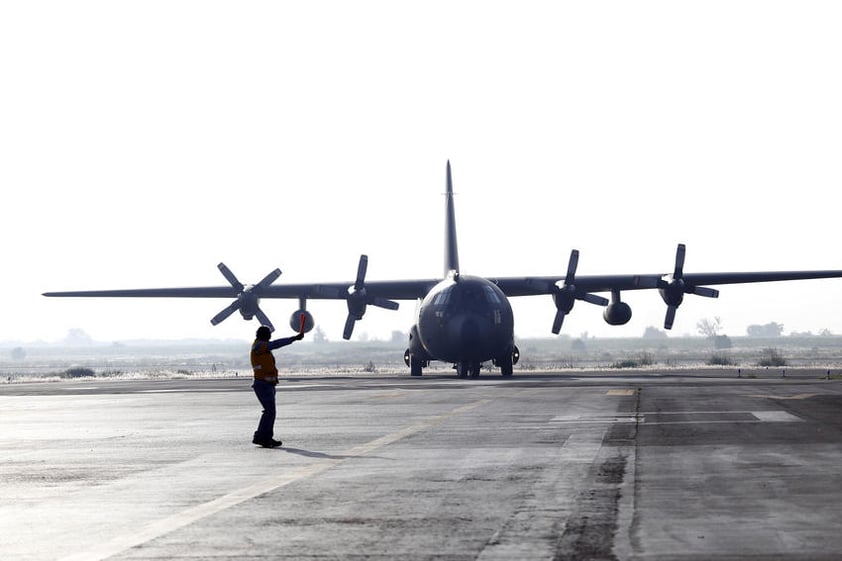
601,466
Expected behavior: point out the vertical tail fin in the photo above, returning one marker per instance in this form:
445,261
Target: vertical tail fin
451,252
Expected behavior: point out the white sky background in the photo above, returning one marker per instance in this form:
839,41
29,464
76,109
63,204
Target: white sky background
144,142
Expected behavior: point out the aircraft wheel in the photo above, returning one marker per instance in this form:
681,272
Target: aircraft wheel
462,369
506,368
415,368
475,368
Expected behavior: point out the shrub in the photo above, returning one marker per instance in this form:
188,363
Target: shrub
626,363
643,359
772,357
78,372
720,359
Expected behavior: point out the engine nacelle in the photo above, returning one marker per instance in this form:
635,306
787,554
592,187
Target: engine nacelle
617,313
295,320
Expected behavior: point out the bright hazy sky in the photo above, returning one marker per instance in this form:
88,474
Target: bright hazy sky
144,142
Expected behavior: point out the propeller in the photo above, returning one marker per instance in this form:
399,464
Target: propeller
566,295
674,288
248,297
358,299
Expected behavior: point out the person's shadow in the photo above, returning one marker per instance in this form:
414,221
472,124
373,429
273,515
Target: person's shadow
311,454
321,455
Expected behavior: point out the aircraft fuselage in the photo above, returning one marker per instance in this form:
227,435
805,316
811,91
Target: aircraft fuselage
466,320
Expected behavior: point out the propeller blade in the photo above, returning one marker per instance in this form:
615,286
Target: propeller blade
670,317
680,253
565,296
270,278
673,290
223,315
229,276
349,327
383,303
264,320
594,299
246,300
361,270
358,298
705,291
559,319
572,264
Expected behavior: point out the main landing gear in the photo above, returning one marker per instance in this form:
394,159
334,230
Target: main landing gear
505,364
415,363
467,368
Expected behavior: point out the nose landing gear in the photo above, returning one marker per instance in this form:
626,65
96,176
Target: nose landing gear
467,368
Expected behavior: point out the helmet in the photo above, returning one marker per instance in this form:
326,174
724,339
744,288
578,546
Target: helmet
263,333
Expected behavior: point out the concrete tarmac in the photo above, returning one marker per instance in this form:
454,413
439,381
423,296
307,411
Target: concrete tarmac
643,466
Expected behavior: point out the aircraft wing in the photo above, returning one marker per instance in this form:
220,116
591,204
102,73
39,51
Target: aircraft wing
392,290
566,289
533,286
413,289
749,277
530,286
358,294
185,292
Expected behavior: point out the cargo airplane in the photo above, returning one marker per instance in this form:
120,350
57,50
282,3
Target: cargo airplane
464,320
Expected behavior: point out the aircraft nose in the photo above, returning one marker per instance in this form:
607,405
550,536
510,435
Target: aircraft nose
470,332
467,333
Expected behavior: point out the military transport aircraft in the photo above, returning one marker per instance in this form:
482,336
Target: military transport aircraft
464,320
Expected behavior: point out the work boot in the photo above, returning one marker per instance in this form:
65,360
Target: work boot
270,443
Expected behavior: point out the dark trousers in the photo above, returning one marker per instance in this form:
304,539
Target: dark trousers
265,393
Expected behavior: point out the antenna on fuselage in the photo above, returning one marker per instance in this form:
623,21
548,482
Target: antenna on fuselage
451,253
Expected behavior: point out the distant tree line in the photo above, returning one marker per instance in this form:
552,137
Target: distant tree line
771,329
653,332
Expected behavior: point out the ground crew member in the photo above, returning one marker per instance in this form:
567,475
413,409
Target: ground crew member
265,379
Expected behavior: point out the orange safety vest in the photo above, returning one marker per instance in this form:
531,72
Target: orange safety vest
263,362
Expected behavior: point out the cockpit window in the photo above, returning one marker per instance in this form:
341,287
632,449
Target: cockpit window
442,298
491,296
471,296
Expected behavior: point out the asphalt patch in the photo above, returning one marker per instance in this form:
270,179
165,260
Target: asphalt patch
589,533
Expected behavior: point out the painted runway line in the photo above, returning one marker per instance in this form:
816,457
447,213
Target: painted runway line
689,418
